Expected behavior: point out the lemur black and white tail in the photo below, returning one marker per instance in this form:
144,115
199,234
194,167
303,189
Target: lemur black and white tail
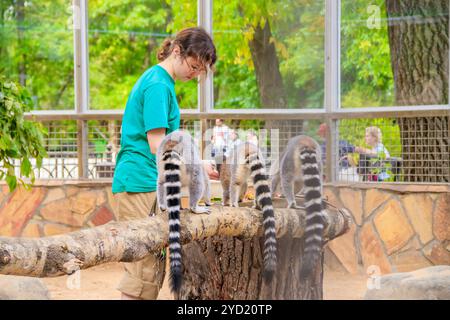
172,186
314,210
263,199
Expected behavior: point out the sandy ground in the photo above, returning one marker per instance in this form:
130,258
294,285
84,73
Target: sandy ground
98,283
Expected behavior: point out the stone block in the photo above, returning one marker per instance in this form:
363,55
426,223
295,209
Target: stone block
54,194
437,253
329,194
71,191
101,198
19,209
22,288
102,216
51,229
352,200
331,262
344,249
61,211
84,202
5,189
432,283
441,218
413,245
419,208
409,261
73,210
393,226
372,250
31,230
373,199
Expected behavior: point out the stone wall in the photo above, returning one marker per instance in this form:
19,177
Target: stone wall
396,227
54,207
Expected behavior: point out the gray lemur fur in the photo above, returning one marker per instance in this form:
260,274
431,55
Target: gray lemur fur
288,169
192,172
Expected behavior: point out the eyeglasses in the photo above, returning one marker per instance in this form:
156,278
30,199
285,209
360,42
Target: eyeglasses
195,69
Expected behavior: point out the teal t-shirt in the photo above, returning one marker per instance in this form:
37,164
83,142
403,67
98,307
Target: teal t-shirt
151,104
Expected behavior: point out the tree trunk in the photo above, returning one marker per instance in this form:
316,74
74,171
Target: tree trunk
20,17
3,7
267,69
270,83
419,60
59,94
133,240
229,268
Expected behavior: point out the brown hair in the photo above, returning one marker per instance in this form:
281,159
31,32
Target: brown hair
193,42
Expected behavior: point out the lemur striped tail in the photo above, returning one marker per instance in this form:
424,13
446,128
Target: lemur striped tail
314,211
264,200
172,185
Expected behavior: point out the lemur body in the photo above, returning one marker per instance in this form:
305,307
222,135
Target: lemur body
179,165
300,168
244,161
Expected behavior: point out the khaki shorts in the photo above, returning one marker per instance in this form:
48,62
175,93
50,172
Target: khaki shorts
144,278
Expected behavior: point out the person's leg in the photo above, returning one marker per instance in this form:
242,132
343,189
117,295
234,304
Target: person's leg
142,279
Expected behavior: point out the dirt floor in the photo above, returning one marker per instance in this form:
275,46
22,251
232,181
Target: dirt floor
98,283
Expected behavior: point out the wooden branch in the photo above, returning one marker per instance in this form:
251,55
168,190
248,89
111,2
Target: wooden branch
133,240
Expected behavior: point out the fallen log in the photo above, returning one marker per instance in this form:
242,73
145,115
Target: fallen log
133,240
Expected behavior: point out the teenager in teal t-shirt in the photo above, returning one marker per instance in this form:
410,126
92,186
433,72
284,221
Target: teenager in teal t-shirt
152,112
152,104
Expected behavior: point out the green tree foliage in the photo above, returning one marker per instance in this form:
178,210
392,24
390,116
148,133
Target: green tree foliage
19,139
366,72
36,49
124,37
298,36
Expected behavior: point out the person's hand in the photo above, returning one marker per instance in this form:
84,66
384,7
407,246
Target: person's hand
211,170
360,150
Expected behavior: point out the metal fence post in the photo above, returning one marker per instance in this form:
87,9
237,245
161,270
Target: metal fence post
81,81
332,89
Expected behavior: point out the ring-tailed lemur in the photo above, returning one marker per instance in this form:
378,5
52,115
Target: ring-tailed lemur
246,160
300,168
179,165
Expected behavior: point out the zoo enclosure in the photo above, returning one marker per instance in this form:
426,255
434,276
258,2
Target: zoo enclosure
93,153
80,154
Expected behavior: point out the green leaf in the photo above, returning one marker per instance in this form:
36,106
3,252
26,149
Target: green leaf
25,167
12,182
19,139
39,161
27,186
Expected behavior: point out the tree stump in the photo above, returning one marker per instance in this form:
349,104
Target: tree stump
230,268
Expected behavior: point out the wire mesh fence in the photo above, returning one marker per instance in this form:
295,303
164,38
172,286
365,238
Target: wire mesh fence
393,150
103,147
271,136
364,150
62,152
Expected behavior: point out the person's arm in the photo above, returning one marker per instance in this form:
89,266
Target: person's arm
210,170
364,150
156,114
154,138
